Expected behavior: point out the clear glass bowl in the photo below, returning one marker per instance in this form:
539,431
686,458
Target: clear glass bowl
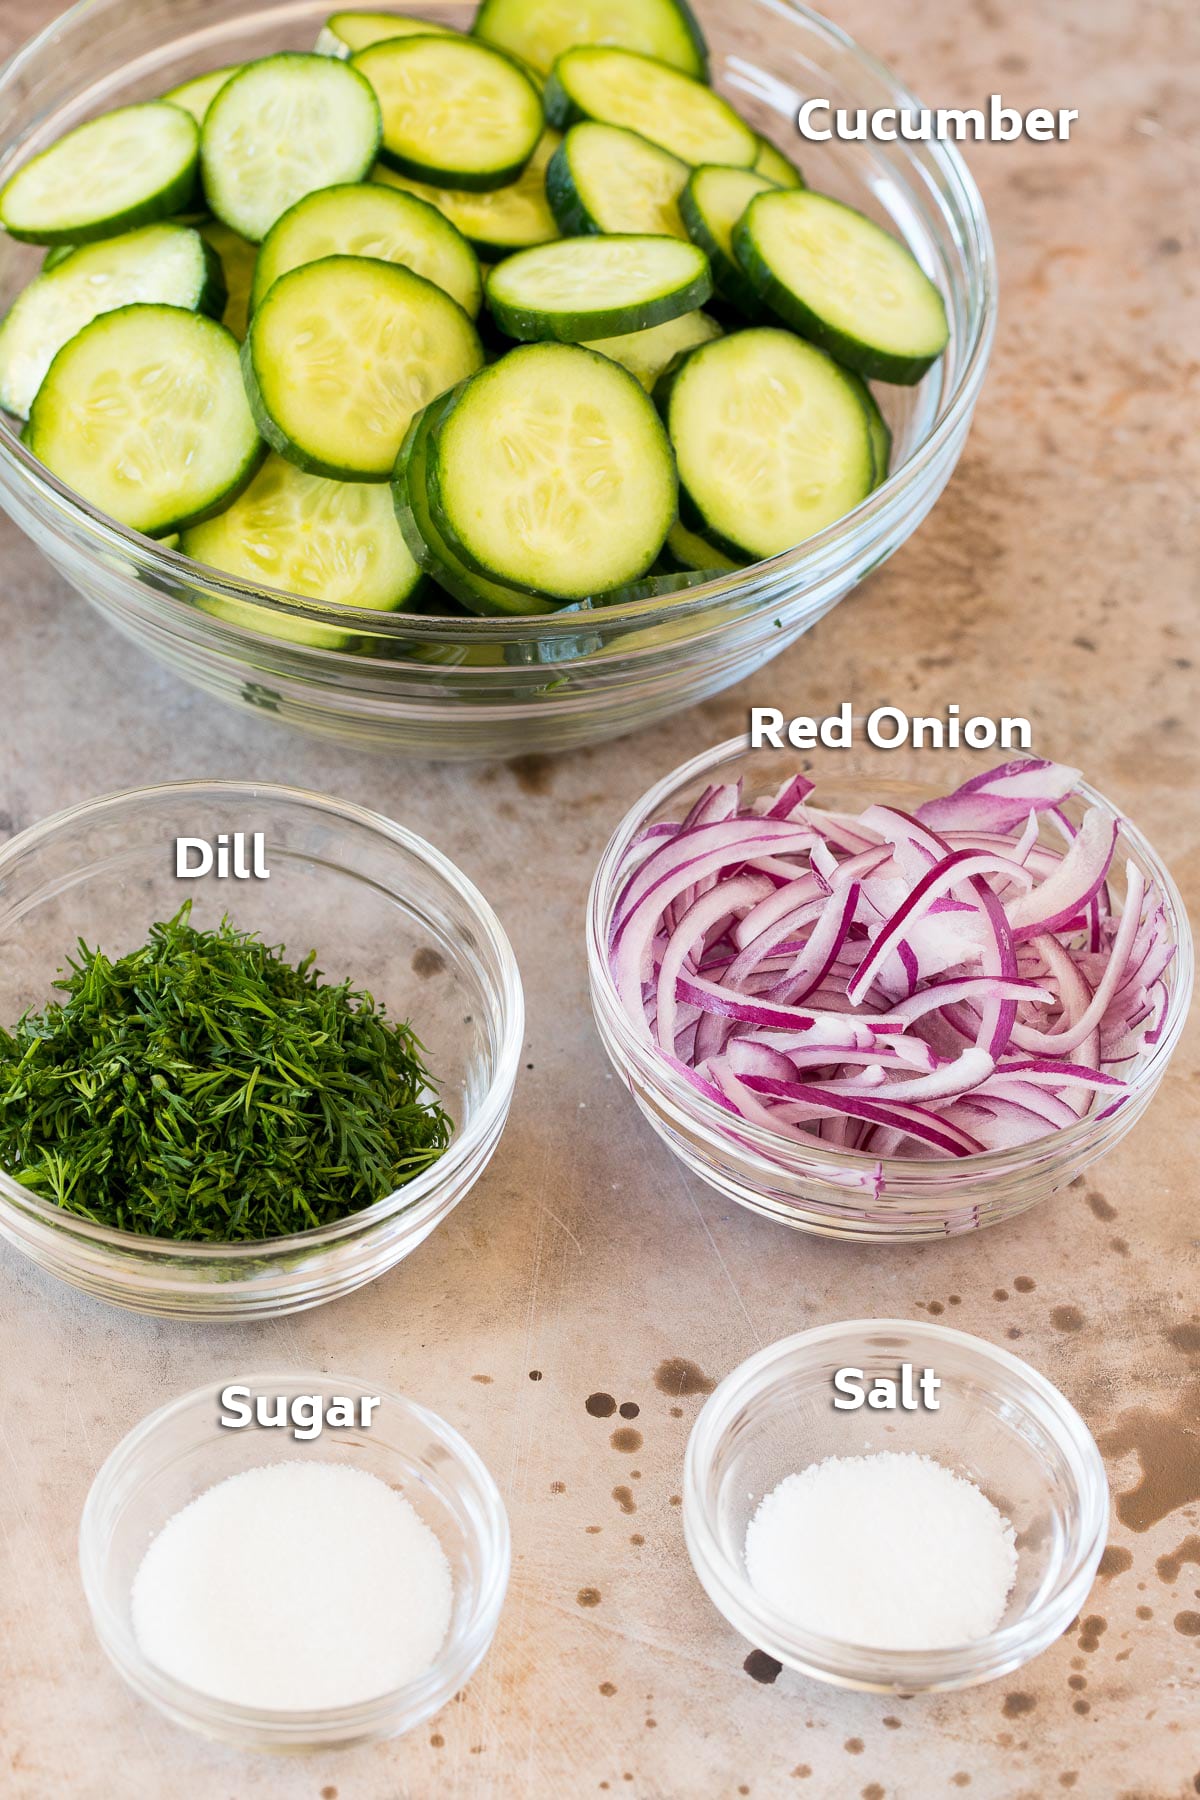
380,906
832,1193
1000,1423
456,687
179,1451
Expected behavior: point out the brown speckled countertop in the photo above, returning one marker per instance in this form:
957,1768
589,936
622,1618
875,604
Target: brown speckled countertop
571,1314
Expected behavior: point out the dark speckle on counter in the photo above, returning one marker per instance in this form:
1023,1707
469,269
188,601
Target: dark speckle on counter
680,1378
762,1668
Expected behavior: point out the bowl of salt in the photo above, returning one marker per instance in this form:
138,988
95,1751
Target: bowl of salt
295,1561
894,1506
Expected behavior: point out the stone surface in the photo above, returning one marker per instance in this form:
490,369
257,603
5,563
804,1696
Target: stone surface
1055,580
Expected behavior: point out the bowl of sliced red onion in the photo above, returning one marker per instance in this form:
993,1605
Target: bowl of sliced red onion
886,995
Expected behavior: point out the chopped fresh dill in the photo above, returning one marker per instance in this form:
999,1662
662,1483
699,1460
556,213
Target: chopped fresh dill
203,1088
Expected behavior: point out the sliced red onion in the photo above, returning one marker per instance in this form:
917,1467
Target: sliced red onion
1078,879
1002,799
939,984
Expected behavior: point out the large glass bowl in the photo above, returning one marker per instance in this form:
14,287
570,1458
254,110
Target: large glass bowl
998,1423
839,1193
461,688
381,907
179,1451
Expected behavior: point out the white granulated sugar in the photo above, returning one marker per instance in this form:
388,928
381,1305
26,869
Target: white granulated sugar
294,1586
891,1551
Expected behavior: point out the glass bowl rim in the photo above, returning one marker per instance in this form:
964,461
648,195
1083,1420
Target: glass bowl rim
752,1378
428,1188
836,540
424,1694
896,1171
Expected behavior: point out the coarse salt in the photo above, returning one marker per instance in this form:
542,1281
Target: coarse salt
891,1551
294,1586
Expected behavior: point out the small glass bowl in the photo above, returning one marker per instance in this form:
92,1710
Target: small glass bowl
839,1193
444,684
180,1450
999,1423
381,907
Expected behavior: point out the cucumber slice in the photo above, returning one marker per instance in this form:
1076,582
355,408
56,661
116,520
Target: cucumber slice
688,550
197,95
619,87
410,494
771,440
364,219
596,287
345,32
540,31
342,353
844,282
167,263
238,258
455,112
879,430
282,128
126,168
711,205
646,354
510,218
144,414
336,541
604,178
552,472
772,163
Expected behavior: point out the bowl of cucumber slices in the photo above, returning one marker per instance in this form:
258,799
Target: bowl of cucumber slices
467,381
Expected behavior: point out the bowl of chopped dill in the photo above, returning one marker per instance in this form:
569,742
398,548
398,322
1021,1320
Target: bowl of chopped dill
248,1069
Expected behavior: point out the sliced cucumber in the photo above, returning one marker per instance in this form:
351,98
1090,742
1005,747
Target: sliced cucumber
126,168
455,113
647,353
772,163
509,218
619,87
658,586
342,353
197,95
604,178
771,440
410,493
238,259
552,472
844,282
167,263
596,287
540,31
688,550
364,219
282,128
546,651
145,415
877,426
336,541
711,205
345,32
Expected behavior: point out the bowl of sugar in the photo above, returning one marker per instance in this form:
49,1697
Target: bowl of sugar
295,1561
894,1506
